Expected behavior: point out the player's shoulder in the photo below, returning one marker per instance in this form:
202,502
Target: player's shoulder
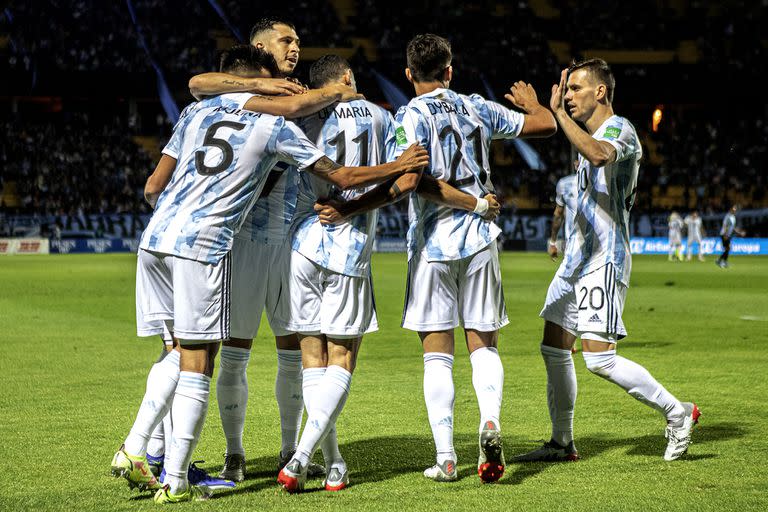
474,99
617,125
566,181
370,109
413,109
380,111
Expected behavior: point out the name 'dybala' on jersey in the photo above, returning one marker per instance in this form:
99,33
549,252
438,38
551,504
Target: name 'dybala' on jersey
443,107
344,112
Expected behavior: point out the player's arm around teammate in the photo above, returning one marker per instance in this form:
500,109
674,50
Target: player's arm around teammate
333,212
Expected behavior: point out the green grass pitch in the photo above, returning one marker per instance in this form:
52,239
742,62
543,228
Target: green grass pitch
73,374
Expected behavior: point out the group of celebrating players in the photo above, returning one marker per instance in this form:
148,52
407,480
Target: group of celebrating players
253,213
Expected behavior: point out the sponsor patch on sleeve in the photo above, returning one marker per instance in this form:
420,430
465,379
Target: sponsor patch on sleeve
400,137
612,132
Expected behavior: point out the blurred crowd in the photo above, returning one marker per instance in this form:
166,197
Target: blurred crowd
75,163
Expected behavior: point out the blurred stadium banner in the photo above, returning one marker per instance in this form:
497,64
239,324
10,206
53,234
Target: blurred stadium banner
94,245
24,246
739,246
383,243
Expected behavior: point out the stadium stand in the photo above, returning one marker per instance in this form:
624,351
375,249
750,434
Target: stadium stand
704,155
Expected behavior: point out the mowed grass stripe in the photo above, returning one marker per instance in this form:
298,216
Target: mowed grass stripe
74,373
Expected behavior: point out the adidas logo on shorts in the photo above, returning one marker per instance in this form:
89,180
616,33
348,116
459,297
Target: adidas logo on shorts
595,318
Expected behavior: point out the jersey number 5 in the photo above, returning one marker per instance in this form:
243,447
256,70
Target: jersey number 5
223,145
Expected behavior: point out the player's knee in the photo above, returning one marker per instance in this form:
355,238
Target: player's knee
600,363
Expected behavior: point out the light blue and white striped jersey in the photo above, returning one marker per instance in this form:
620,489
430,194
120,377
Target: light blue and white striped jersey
223,158
271,217
606,194
729,225
457,131
356,133
675,226
566,195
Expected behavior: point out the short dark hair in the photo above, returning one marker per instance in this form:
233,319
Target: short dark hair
267,24
326,69
428,55
244,57
600,72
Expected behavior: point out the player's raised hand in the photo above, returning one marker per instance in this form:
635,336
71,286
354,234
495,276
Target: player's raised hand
523,96
557,101
276,86
328,211
413,158
494,207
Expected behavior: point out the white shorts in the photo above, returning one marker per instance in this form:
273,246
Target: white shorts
326,302
675,239
153,328
259,275
589,308
692,241
442,295
190,297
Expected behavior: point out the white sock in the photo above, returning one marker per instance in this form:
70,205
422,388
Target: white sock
328,399
636,381
232,395
190,405
439,396
330,444
561,392
168,429
488,381
156,446
161,384
289,398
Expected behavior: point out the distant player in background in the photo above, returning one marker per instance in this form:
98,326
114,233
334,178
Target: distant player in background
565,199
726,233
454,276
586,297
675,237
695,228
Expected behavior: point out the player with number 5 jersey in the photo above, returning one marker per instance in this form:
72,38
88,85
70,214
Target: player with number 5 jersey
218,159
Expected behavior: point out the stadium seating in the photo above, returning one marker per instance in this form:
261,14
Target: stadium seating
688,163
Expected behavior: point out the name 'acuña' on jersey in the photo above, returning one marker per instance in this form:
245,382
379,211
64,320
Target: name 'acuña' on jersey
457,131
224,154
605,197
